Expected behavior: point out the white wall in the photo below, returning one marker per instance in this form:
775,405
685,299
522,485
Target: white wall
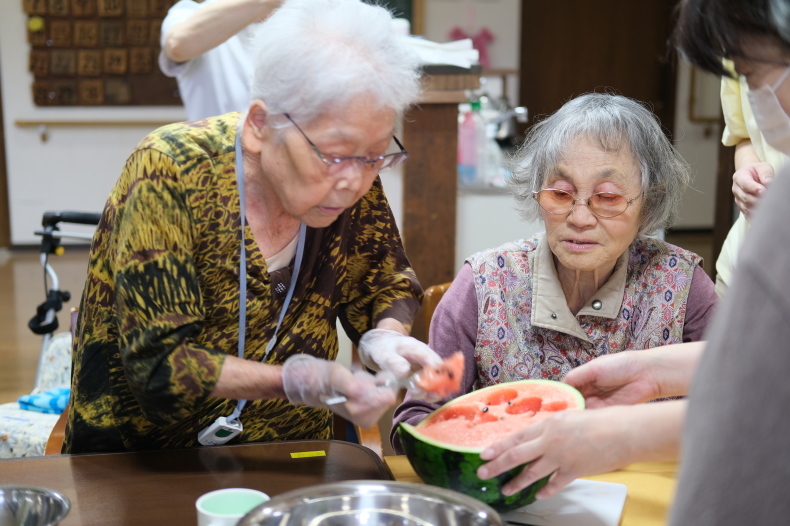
500,17
77,166
487,221
699,146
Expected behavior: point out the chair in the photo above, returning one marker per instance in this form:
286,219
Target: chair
433,295
58,434
24,433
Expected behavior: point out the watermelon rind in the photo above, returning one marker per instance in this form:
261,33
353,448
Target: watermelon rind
455,467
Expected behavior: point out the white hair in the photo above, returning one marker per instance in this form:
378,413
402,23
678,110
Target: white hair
314,56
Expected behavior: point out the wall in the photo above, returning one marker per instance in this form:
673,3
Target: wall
488,220
698,143
77,166
484,219
500,17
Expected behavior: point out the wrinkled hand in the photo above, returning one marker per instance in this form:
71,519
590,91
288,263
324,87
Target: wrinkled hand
385,350
309,381
569,444
749,184
616,379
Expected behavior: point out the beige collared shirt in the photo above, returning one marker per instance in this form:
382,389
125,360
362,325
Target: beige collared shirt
549,306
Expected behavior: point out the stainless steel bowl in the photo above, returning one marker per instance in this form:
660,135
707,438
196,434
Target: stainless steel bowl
31,506
365,502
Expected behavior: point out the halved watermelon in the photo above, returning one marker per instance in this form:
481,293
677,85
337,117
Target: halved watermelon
444,449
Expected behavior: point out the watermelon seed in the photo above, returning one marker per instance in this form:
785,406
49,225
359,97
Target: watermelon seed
485,409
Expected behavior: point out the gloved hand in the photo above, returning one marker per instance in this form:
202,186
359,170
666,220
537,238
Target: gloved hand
385,350
310,381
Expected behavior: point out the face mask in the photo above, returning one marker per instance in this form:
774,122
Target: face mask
771,118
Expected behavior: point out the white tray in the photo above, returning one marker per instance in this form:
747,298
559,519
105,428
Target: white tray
580,503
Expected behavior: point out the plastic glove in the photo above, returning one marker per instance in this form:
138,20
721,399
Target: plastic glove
385,350
310,381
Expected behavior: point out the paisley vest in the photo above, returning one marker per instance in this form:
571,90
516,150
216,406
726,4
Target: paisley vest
509,347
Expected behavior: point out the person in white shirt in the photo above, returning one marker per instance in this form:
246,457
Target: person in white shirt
207,47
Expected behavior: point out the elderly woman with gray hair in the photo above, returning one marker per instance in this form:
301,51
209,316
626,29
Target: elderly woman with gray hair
602,176
230,247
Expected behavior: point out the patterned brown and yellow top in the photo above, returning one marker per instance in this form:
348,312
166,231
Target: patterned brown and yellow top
160,308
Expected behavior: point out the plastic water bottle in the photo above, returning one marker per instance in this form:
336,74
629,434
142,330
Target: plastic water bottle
467,146
471,145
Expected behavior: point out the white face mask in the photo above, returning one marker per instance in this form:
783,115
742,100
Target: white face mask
771,118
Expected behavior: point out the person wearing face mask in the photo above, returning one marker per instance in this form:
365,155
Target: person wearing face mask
230,247
602,176
734,466
756,163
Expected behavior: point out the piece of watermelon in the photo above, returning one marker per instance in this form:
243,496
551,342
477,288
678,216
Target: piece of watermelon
444,449
444,379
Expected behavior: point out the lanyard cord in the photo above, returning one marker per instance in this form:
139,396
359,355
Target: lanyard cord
243,276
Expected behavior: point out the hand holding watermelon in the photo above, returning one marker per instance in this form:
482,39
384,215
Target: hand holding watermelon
573,444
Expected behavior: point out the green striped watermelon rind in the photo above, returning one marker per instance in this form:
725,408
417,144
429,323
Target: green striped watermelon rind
455,467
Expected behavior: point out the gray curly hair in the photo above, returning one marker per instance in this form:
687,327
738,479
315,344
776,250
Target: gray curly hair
614,122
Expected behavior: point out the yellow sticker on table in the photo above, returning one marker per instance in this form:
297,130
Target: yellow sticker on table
305,454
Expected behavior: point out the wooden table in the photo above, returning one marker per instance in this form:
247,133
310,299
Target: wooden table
161,487
651,487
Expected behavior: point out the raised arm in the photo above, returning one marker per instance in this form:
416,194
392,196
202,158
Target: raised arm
212,25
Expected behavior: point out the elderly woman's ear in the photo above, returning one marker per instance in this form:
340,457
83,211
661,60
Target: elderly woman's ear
255,130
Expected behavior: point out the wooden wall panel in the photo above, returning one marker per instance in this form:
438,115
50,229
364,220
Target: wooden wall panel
576,46
430,189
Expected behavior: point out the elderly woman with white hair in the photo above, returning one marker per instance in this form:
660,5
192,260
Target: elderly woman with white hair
602,176
230,246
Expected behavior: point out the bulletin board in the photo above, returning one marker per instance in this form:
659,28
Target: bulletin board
97,53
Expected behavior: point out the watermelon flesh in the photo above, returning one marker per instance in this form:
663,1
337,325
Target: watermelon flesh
445,379
444,448
484,418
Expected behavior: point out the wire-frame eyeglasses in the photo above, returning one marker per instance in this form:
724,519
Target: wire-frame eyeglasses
336,165
603,204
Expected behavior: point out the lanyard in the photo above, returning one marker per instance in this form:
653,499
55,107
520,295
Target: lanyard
243,275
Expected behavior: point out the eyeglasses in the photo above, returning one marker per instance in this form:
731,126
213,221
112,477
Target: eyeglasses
336,165
602,204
